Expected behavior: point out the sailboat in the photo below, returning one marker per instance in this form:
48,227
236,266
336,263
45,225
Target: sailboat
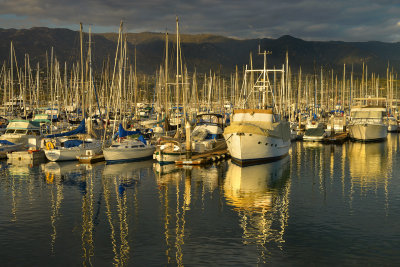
126,148
258,134
67,148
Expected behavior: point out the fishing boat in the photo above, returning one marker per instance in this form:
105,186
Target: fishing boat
367,123
257,135
126,148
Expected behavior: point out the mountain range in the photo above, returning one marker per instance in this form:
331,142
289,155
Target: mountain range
203,52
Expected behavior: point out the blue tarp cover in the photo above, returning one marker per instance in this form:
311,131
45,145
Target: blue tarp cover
80,130
5,142
72,143
141,139
123,133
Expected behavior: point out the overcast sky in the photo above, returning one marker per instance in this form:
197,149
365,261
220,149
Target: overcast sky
346,20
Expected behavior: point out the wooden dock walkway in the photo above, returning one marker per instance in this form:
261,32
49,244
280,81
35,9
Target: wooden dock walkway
204,158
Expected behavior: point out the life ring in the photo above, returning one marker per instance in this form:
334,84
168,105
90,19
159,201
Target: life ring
49,145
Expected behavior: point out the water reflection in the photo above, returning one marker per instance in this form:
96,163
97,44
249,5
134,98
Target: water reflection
174,208
260,195
116,180
368,161
69,172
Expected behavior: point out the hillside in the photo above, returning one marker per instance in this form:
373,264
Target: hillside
201,52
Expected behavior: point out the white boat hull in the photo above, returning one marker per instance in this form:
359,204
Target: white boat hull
252,148
167,158
121,155
65,154
368,132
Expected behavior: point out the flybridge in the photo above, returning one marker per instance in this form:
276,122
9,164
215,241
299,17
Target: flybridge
23,124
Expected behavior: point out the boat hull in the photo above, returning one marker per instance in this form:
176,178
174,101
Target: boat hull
368,132
123,155
247,148
66,154
167,158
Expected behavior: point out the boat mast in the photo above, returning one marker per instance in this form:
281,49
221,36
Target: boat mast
82,84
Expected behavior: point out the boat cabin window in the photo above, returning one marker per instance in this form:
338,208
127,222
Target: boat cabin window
21,131
115,146
141,146
10,131
368,114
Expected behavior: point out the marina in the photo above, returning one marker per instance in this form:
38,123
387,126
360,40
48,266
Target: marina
170,149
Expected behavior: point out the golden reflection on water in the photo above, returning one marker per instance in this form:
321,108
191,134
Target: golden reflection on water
169,178
361,167
20,173
55,207
368,163
54,175
87,222
260,195
166,176
116,180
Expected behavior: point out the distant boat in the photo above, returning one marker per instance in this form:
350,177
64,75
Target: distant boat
393,125
315,134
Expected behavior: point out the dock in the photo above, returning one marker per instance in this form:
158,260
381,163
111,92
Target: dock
27,155
336,139
204,158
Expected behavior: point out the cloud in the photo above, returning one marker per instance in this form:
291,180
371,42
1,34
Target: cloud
348,20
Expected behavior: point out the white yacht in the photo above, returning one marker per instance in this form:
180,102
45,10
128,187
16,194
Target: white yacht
22,131
367,123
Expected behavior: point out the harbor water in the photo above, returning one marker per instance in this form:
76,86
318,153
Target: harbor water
320,205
